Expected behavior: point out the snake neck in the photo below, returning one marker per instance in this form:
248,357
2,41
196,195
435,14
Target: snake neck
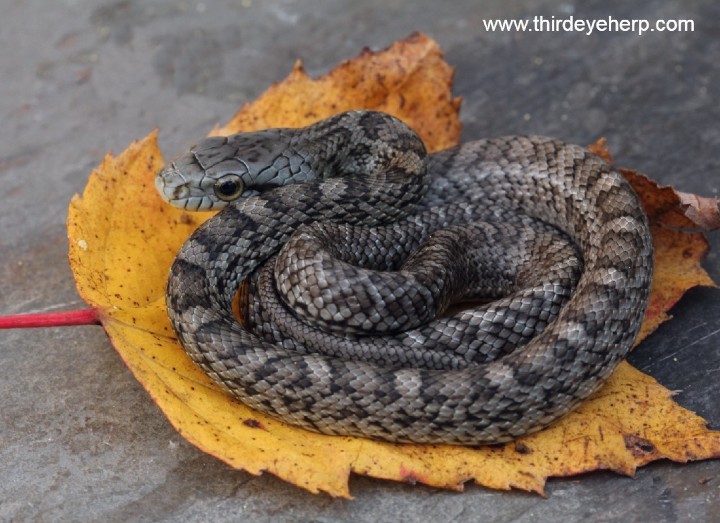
364,144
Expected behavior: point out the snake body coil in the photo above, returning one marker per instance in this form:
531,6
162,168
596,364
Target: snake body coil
365,224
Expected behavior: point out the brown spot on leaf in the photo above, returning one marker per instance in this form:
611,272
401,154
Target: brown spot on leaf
253,424
640,447
521,448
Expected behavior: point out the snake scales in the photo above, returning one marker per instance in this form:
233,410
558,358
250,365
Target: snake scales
355,200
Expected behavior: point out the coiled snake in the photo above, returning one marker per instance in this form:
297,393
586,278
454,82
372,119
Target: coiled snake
363,286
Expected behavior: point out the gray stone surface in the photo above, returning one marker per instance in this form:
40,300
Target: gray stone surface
81,441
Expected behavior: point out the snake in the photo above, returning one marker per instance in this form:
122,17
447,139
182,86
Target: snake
466,297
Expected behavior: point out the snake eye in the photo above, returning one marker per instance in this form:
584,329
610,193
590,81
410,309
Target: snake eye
229,187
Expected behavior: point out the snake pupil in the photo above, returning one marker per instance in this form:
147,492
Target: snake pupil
228,188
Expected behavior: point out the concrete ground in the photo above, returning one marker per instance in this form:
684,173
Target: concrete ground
81,441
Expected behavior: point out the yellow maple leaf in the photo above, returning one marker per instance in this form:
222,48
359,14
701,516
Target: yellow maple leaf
123,239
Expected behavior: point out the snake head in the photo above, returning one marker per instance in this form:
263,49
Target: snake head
222,169
205,178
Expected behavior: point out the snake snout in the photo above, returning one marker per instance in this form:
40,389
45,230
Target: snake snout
183,191
172,185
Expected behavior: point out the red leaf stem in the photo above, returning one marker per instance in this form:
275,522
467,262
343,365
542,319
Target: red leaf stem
50,319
